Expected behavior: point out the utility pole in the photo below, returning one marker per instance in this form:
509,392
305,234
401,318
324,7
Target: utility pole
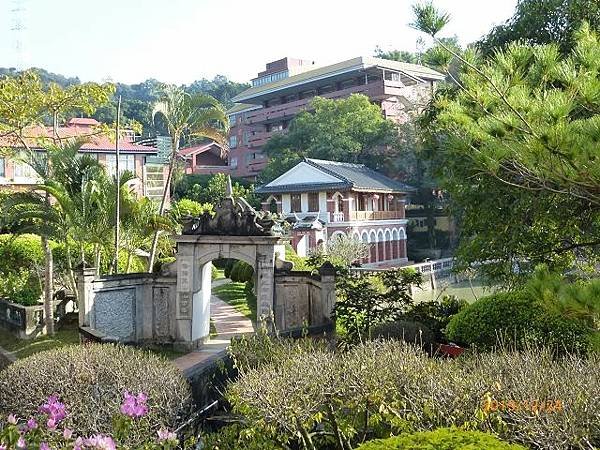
118,188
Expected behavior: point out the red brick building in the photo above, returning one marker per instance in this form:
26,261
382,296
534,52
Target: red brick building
324,199
204,159
287,86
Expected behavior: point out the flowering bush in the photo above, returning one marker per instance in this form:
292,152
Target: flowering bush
91,380
47,430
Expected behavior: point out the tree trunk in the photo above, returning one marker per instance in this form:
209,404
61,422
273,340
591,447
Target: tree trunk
163,201
72,280
129,258
48,287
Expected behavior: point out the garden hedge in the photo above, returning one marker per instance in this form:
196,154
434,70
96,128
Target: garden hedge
91,379
515,320
441,439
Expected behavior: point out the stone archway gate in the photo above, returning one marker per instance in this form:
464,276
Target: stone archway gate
195,254
173,307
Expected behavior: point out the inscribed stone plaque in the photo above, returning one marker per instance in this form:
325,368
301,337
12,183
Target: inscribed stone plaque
160,297
184,305
185,267
114,313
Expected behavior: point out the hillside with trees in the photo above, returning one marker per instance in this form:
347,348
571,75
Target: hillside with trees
137,99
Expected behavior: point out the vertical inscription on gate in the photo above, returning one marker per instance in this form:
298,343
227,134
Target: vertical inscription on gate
184,287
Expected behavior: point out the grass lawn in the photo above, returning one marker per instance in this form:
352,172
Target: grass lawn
23,348
233,294
220,273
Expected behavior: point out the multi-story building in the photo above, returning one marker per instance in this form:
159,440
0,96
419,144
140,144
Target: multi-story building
17,174
287,86
325,199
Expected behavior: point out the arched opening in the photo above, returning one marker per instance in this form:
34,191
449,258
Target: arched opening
273,206
374,256
233,301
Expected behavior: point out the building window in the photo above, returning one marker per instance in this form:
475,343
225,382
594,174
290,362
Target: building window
246,137
232,119
233,141
392,76
233,163
126,163
296,203
313,201
2,170
23,170
327,89
270,78
361,203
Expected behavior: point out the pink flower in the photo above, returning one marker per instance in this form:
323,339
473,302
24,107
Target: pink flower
32,424
166,435
67,434
134,406
51,424
3,446
54,409
100,442
78,444
44,446
21,442
12,419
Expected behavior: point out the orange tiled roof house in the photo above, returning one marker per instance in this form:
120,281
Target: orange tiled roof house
16,174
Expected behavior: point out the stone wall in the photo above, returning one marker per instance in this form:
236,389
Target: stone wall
302,299
134,308
27,322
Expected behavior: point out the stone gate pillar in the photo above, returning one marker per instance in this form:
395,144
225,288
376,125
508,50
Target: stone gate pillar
265,288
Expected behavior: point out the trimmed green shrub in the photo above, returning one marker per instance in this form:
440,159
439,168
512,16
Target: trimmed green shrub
21,261
441,439
407,331
20,251
515,320
241,272
91,380
20,287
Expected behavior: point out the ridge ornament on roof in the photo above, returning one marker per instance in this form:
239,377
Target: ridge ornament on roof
233,217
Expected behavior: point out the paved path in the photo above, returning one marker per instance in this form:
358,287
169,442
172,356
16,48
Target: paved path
228,322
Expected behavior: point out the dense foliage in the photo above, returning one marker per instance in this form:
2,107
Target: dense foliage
212,189
411,332
516,319
350,130
137,99
91,379
303,394
543,22
364,301
441,439
514,146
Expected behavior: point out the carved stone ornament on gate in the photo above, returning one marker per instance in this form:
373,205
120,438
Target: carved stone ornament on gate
233,217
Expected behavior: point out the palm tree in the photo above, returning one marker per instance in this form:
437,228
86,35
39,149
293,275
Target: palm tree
187,116
82,209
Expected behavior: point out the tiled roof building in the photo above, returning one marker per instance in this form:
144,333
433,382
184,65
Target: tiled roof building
325,199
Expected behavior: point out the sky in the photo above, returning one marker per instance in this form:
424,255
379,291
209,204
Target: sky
178,41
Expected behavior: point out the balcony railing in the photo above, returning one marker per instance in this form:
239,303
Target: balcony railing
376,215
338,217
290,109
